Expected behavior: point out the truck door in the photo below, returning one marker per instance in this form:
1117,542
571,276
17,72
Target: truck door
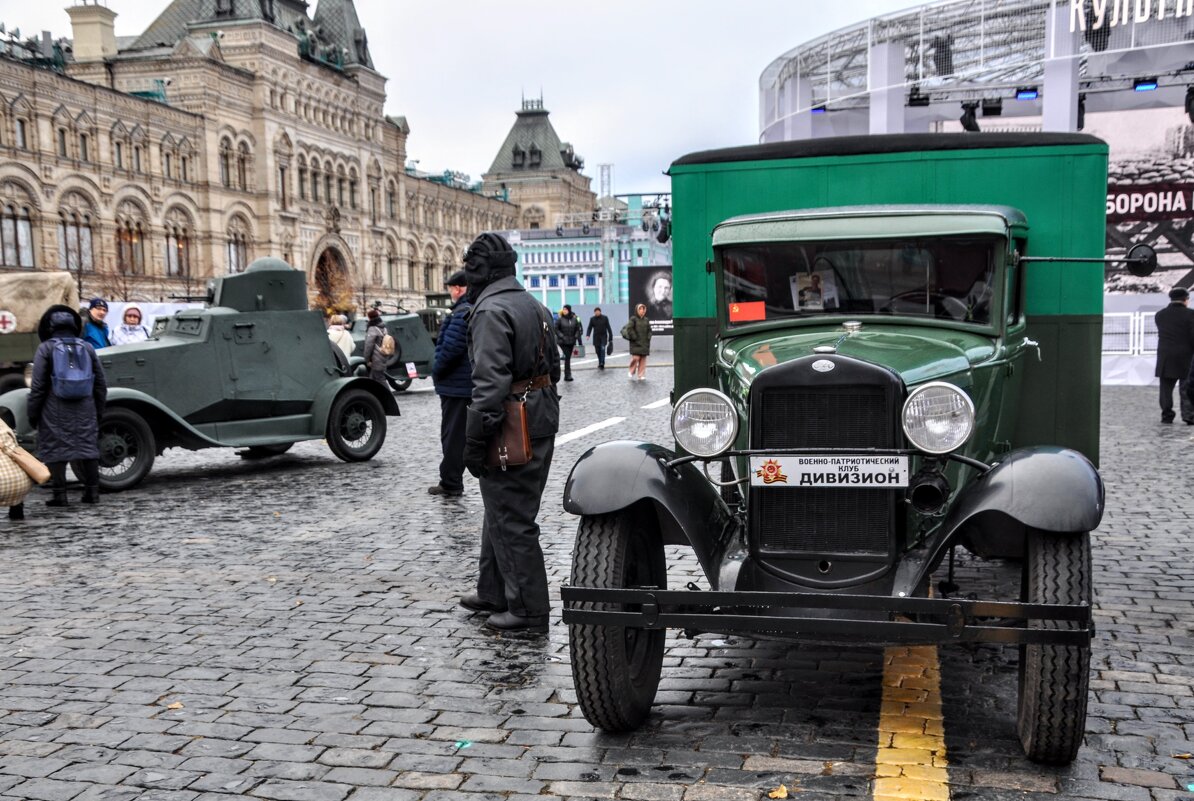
248,362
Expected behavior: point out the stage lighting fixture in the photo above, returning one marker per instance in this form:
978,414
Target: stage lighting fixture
817,110
1027,93
1144,85
992,107
1190,103
915,98
1081,112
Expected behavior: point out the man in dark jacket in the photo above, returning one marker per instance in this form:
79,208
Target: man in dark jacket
568,330
513,350
453,377
1175,351
67,428
600,334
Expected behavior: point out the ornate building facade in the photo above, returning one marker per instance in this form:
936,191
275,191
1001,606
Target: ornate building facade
229,130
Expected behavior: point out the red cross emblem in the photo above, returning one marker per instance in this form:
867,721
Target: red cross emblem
8,322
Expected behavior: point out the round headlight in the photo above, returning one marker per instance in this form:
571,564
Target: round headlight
704,422
938,418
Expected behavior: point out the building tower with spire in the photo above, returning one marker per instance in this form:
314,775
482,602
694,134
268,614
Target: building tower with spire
538,173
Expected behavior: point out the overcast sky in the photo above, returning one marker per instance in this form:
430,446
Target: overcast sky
631,84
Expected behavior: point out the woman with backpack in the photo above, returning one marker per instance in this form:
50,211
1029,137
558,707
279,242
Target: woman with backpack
375,359
637,332
66,402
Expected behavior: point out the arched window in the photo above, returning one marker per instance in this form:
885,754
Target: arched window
226,162
74,238
302,178
16,236
391,201
238,245
178,243
242,166
315,181
130,240
391,276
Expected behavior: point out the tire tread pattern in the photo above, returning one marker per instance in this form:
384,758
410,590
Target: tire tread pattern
1055,679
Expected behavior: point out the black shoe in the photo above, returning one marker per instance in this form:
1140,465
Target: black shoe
1188,422
16,512
59,498
508,621
476,603
91,495
440,489
1168,422
567,378
601,367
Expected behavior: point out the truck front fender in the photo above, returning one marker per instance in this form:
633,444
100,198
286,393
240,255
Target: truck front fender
321,406
1045,488
616,475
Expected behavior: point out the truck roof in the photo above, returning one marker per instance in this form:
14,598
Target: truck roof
884,143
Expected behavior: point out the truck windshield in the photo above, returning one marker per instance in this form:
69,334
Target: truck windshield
951,278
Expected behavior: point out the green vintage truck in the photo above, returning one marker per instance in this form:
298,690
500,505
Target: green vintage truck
887,347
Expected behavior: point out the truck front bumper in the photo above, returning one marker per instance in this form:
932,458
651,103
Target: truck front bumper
909,620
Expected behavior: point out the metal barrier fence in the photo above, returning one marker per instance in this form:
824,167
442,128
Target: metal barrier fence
1129,334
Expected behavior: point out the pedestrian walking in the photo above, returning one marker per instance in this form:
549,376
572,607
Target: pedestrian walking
130,329
452,374
637,332
95,330
375,360
66,402
568,331
513,350
338,334
601,335
1175,351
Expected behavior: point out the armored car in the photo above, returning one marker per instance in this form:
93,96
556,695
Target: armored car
254,370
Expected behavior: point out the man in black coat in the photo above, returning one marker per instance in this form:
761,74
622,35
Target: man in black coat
1175,351
601,335
513,350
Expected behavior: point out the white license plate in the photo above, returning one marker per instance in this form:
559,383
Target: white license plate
835,470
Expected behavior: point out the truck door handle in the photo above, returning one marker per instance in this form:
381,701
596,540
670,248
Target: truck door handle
243,325
140,362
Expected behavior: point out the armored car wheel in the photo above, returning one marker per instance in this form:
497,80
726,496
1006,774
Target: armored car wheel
127,449
616,670
356,426
1054,679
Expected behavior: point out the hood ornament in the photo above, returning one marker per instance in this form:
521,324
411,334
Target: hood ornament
825,349
852,326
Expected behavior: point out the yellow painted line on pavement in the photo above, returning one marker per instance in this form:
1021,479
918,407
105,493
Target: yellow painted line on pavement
910,764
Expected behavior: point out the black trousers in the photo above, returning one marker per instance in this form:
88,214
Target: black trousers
90,477
512,568
599,346
451,439
1183,399
566,354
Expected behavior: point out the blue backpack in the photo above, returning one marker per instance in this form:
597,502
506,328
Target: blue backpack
71,376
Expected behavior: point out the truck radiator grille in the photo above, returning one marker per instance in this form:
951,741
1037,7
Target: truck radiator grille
824,520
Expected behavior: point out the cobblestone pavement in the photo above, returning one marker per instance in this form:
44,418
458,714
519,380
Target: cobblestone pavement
287,629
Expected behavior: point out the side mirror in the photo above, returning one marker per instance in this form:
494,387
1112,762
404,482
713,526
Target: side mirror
1141,260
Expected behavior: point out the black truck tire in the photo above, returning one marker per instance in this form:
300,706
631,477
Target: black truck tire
127,450
356,426
1054,679
615,670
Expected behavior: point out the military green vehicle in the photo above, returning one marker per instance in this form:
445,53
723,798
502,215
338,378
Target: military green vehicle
24,296
413,346
253,370
878,367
